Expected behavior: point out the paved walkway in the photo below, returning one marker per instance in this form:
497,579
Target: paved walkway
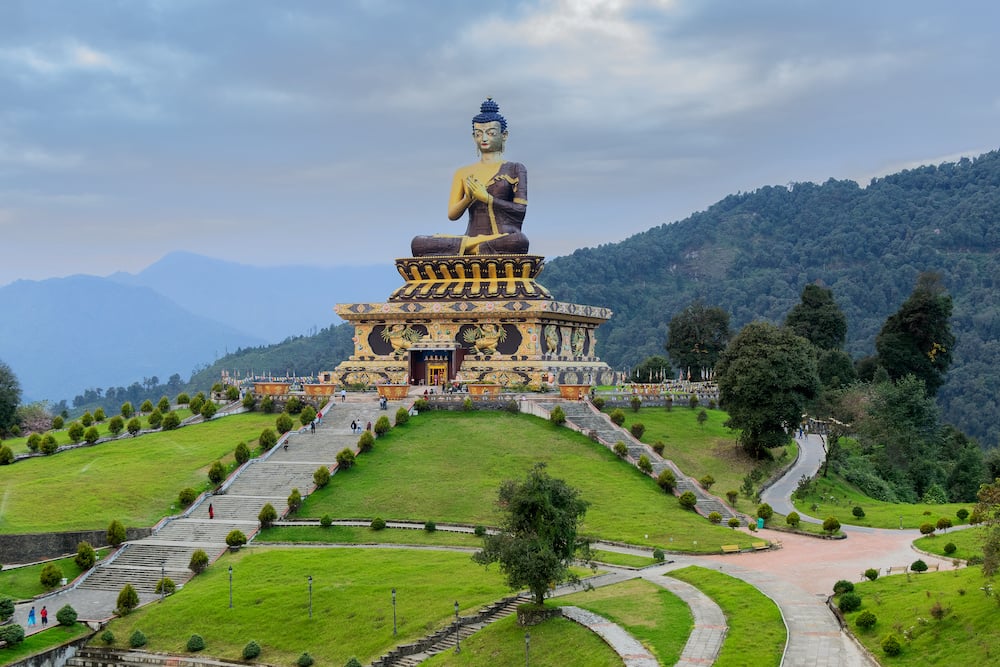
811,457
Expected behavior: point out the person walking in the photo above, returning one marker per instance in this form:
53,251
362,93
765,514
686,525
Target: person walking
211,511
354,426
31,617
45,616
343,395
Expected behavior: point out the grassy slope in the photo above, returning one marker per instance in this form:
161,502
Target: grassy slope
42,641
966,636
20,445
353,535
134,480
834,496
447,467
757,633
22,583
968,543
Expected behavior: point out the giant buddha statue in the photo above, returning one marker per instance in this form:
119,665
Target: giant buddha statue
493,191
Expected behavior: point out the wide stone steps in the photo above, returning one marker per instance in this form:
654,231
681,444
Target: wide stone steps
208,532
113,578
238,508
141,554
274,479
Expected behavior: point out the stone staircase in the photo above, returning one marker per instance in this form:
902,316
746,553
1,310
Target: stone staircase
596,424
450,636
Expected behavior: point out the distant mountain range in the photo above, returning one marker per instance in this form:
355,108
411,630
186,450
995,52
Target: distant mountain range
63,335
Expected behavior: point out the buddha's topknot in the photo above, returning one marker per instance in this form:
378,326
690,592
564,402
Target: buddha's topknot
489,111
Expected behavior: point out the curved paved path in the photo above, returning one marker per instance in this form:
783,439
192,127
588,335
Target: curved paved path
779,494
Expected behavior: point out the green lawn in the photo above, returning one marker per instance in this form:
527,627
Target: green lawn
135,480
42,641
557,642
352,535
625,560
756,634
21,583
352,603
20,445
968,543
447,466
834,496
700,450
653,615
966,635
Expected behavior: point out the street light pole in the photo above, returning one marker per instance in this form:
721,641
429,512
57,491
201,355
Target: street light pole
458,637
230,586
310,596
163,576
393,612
527,646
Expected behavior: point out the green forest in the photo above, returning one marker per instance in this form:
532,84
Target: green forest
752,253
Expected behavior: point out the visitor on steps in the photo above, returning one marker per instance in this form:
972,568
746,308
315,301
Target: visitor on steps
211,511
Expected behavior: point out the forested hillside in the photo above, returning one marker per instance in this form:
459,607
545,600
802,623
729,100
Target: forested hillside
752,254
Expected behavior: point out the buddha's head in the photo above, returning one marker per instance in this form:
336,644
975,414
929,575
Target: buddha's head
489,128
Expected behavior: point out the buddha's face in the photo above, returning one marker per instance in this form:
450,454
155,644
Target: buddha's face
488,136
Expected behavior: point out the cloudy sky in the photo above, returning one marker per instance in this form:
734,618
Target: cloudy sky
327,132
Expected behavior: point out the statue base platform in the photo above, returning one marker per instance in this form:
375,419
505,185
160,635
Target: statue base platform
470,277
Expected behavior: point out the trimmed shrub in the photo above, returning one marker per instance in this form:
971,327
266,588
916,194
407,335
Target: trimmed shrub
85,556
267,439
99,415
133,426
236,538
617,417
467,405
918,566
198,562
831,525
734,522
283,423
962,514
858,512
843,586
950,548
321,477
637,429
182,399
421,405
293,405
732,496
658,555
116,425
267,405
196,403
557,416
849,602
195,643
706,482
87,419
345,459
217,473
688,500
91,435
242,453
305,660
793,519
715,517
378,523
6,455
34,441
692,401
635,402
249,401
479,531
127,410
232,393
6,608
294,501
644,464
927,528
871,574
382,426
658,447
163,405
599,403
944,523
430,526
187,496
171,421
136,639
12,634
49,444
666,480
155,419
75,432
326,521
166,586
50,576
891,645
764,512
128,599
251,650
267,516
66,616
58,422
866,620
353,662
620,449
366,442
108,637
402,416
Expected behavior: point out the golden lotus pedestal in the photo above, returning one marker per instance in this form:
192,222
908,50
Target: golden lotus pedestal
393,392
472,320
480,390
574,391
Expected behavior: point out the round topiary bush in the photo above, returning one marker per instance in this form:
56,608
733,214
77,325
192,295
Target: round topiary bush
321,477
831,524
733,522
617,417
658,555
382,426
217,473
305,660
366,442
12,634
345,459
557,416
50,576
637,429
326,521
927,528
793,519
688,500
267,439
267,516
353,662
85,556
186,496
658,447
707,482
843,586
6,608
715,517
66,616
858,512
195,643
479,531
765,512
402,416
598,403
849,602
666,480
871,574
621,449
242,453
950,548
866,620
283,423
137,639
430,526
198,562
644,464
294,501
378,523
165,586
918,566
891,645
251,650
962,514
108,637
128,599
236,538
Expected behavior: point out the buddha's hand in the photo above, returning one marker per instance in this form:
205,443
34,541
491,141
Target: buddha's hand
476,190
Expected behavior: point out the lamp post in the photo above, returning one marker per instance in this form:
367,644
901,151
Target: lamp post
310,596
163,576
527,647
230,586
458,637
393,612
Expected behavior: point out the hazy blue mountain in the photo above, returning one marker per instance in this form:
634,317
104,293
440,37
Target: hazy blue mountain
63,335
271,303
